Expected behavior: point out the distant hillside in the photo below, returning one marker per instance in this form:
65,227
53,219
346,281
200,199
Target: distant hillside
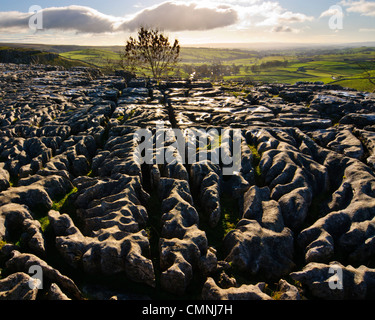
32,56
345,65
58,48
97,57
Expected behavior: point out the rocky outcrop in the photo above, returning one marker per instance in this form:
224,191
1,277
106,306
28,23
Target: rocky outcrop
183,246
112,240
76,193
290,171
255,249
16,287
205,177
19,222
335,281
37,191
346,215
22,263
211,291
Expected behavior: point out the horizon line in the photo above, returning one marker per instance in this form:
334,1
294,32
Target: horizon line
216,45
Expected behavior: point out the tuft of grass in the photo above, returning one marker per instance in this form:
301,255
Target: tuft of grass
256,155
230,213
230,216
2,244
256,161
58,205
44,223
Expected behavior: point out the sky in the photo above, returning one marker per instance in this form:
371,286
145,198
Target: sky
192,22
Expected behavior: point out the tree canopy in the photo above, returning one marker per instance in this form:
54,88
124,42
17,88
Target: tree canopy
150,53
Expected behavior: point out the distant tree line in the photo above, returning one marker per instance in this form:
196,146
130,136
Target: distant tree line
218,70
215,70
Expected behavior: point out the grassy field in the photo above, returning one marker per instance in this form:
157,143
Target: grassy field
338,66
97,57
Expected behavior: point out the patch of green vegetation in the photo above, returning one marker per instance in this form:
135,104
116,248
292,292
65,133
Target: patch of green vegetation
33,56
256,164
230,216
230,213
90,173
58,205
2,244
44,223
13,181
336,66
97,57
131,113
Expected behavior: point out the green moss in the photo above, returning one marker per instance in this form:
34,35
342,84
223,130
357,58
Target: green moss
256,155
13,181
256,164
131,113
58,205
230,213
44,222
230,216
2,244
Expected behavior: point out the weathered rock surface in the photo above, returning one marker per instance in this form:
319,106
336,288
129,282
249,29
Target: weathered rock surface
16,287
183,246
112,240
335,281
76,194
21,262
257,250
211,291
18,220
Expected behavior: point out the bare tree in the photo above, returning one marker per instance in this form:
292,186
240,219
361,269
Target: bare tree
150,53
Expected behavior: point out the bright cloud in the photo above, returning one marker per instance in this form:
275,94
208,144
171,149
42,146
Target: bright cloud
365,8
71,18
174,16
270,14
169,15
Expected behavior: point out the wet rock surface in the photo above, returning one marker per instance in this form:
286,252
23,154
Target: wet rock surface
104,220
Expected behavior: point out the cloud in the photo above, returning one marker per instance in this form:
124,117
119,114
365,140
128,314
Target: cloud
174,16
282,29
171,15
365,8
71,18
77,18
271,14
13,20
331,12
